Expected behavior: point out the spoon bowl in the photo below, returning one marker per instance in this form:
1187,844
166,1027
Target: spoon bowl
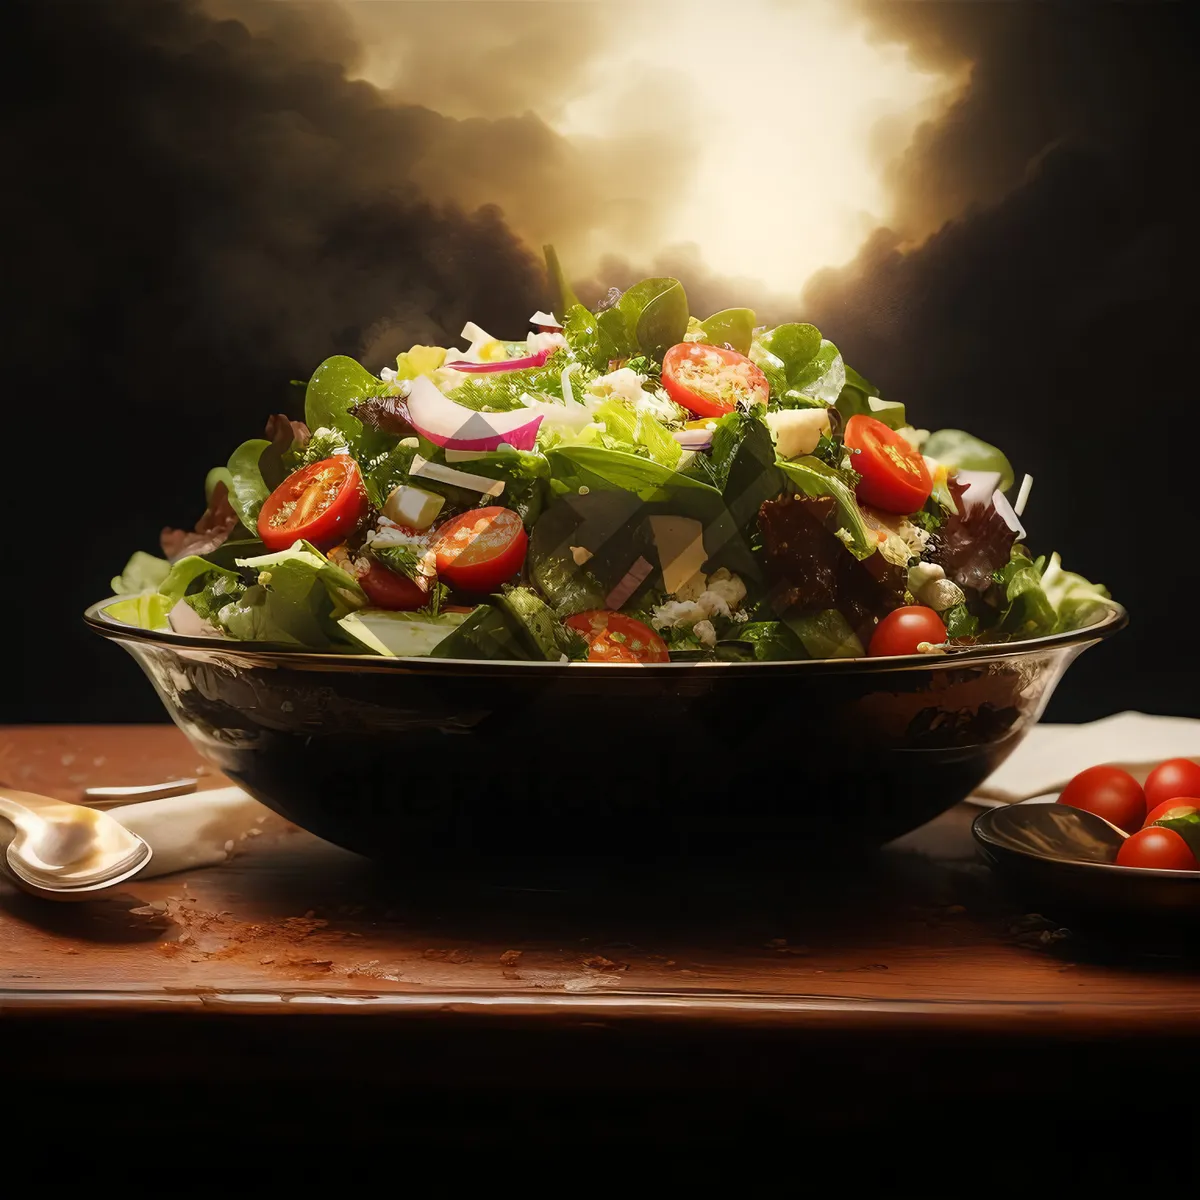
1063,862
65,851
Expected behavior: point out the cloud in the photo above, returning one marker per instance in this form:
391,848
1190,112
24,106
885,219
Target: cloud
1039,295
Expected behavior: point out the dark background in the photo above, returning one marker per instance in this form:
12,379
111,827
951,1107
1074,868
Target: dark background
192,220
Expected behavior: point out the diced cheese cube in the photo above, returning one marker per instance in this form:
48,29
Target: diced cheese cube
798,430
413,507
681,553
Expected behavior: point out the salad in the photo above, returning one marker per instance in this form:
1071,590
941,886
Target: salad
626,485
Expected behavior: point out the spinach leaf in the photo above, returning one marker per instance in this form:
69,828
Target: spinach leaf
484,634
248,489
802,367
761,641
534,621
742,466
336,386
826,635
649,318
732,327
563,297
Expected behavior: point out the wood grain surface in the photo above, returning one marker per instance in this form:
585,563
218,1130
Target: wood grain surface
297,960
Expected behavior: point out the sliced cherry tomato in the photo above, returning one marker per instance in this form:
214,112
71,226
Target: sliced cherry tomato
894,475
480,549
320,503
1175,777
1178,806
904,629
712,381
1157,848
614,637
386,588
1110,793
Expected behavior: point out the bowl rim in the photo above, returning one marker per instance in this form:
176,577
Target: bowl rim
267,654
980,829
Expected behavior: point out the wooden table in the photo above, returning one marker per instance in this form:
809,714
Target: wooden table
287,985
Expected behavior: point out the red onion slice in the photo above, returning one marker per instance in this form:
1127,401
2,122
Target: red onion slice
1002,506
980,486
631,581
694,439
452,426
509,364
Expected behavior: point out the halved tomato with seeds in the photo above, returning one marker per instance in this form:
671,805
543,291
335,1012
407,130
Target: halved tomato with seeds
478,550
613,637
320,503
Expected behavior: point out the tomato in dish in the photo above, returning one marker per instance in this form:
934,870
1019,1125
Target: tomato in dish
481,549
1175,777
613,637
1110,793
386,588
1157,848
894,475
320,503
712,381
904,629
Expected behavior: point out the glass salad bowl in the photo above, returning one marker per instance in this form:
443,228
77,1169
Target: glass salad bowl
418,762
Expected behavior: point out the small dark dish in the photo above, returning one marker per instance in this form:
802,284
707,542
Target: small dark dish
1060,860
417,760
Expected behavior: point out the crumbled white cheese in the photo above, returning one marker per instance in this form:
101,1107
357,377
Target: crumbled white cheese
580,554
701,599
704,633
660,406
677,614
624,383
727,586
390,534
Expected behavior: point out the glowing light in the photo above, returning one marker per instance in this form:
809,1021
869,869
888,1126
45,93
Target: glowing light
761,131
794,116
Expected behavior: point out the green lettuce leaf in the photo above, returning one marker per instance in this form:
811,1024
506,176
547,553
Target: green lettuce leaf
262,615
143,573
146,610
419,360
1041,598
814,478
962,451
1077,602
303,575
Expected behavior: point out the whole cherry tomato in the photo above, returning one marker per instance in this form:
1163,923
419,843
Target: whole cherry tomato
1110,793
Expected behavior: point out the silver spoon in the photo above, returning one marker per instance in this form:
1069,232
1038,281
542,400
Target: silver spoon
64,851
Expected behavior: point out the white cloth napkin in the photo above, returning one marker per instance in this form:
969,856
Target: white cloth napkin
199,829
1051,755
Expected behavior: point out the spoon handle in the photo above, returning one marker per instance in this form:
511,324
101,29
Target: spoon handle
111,797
